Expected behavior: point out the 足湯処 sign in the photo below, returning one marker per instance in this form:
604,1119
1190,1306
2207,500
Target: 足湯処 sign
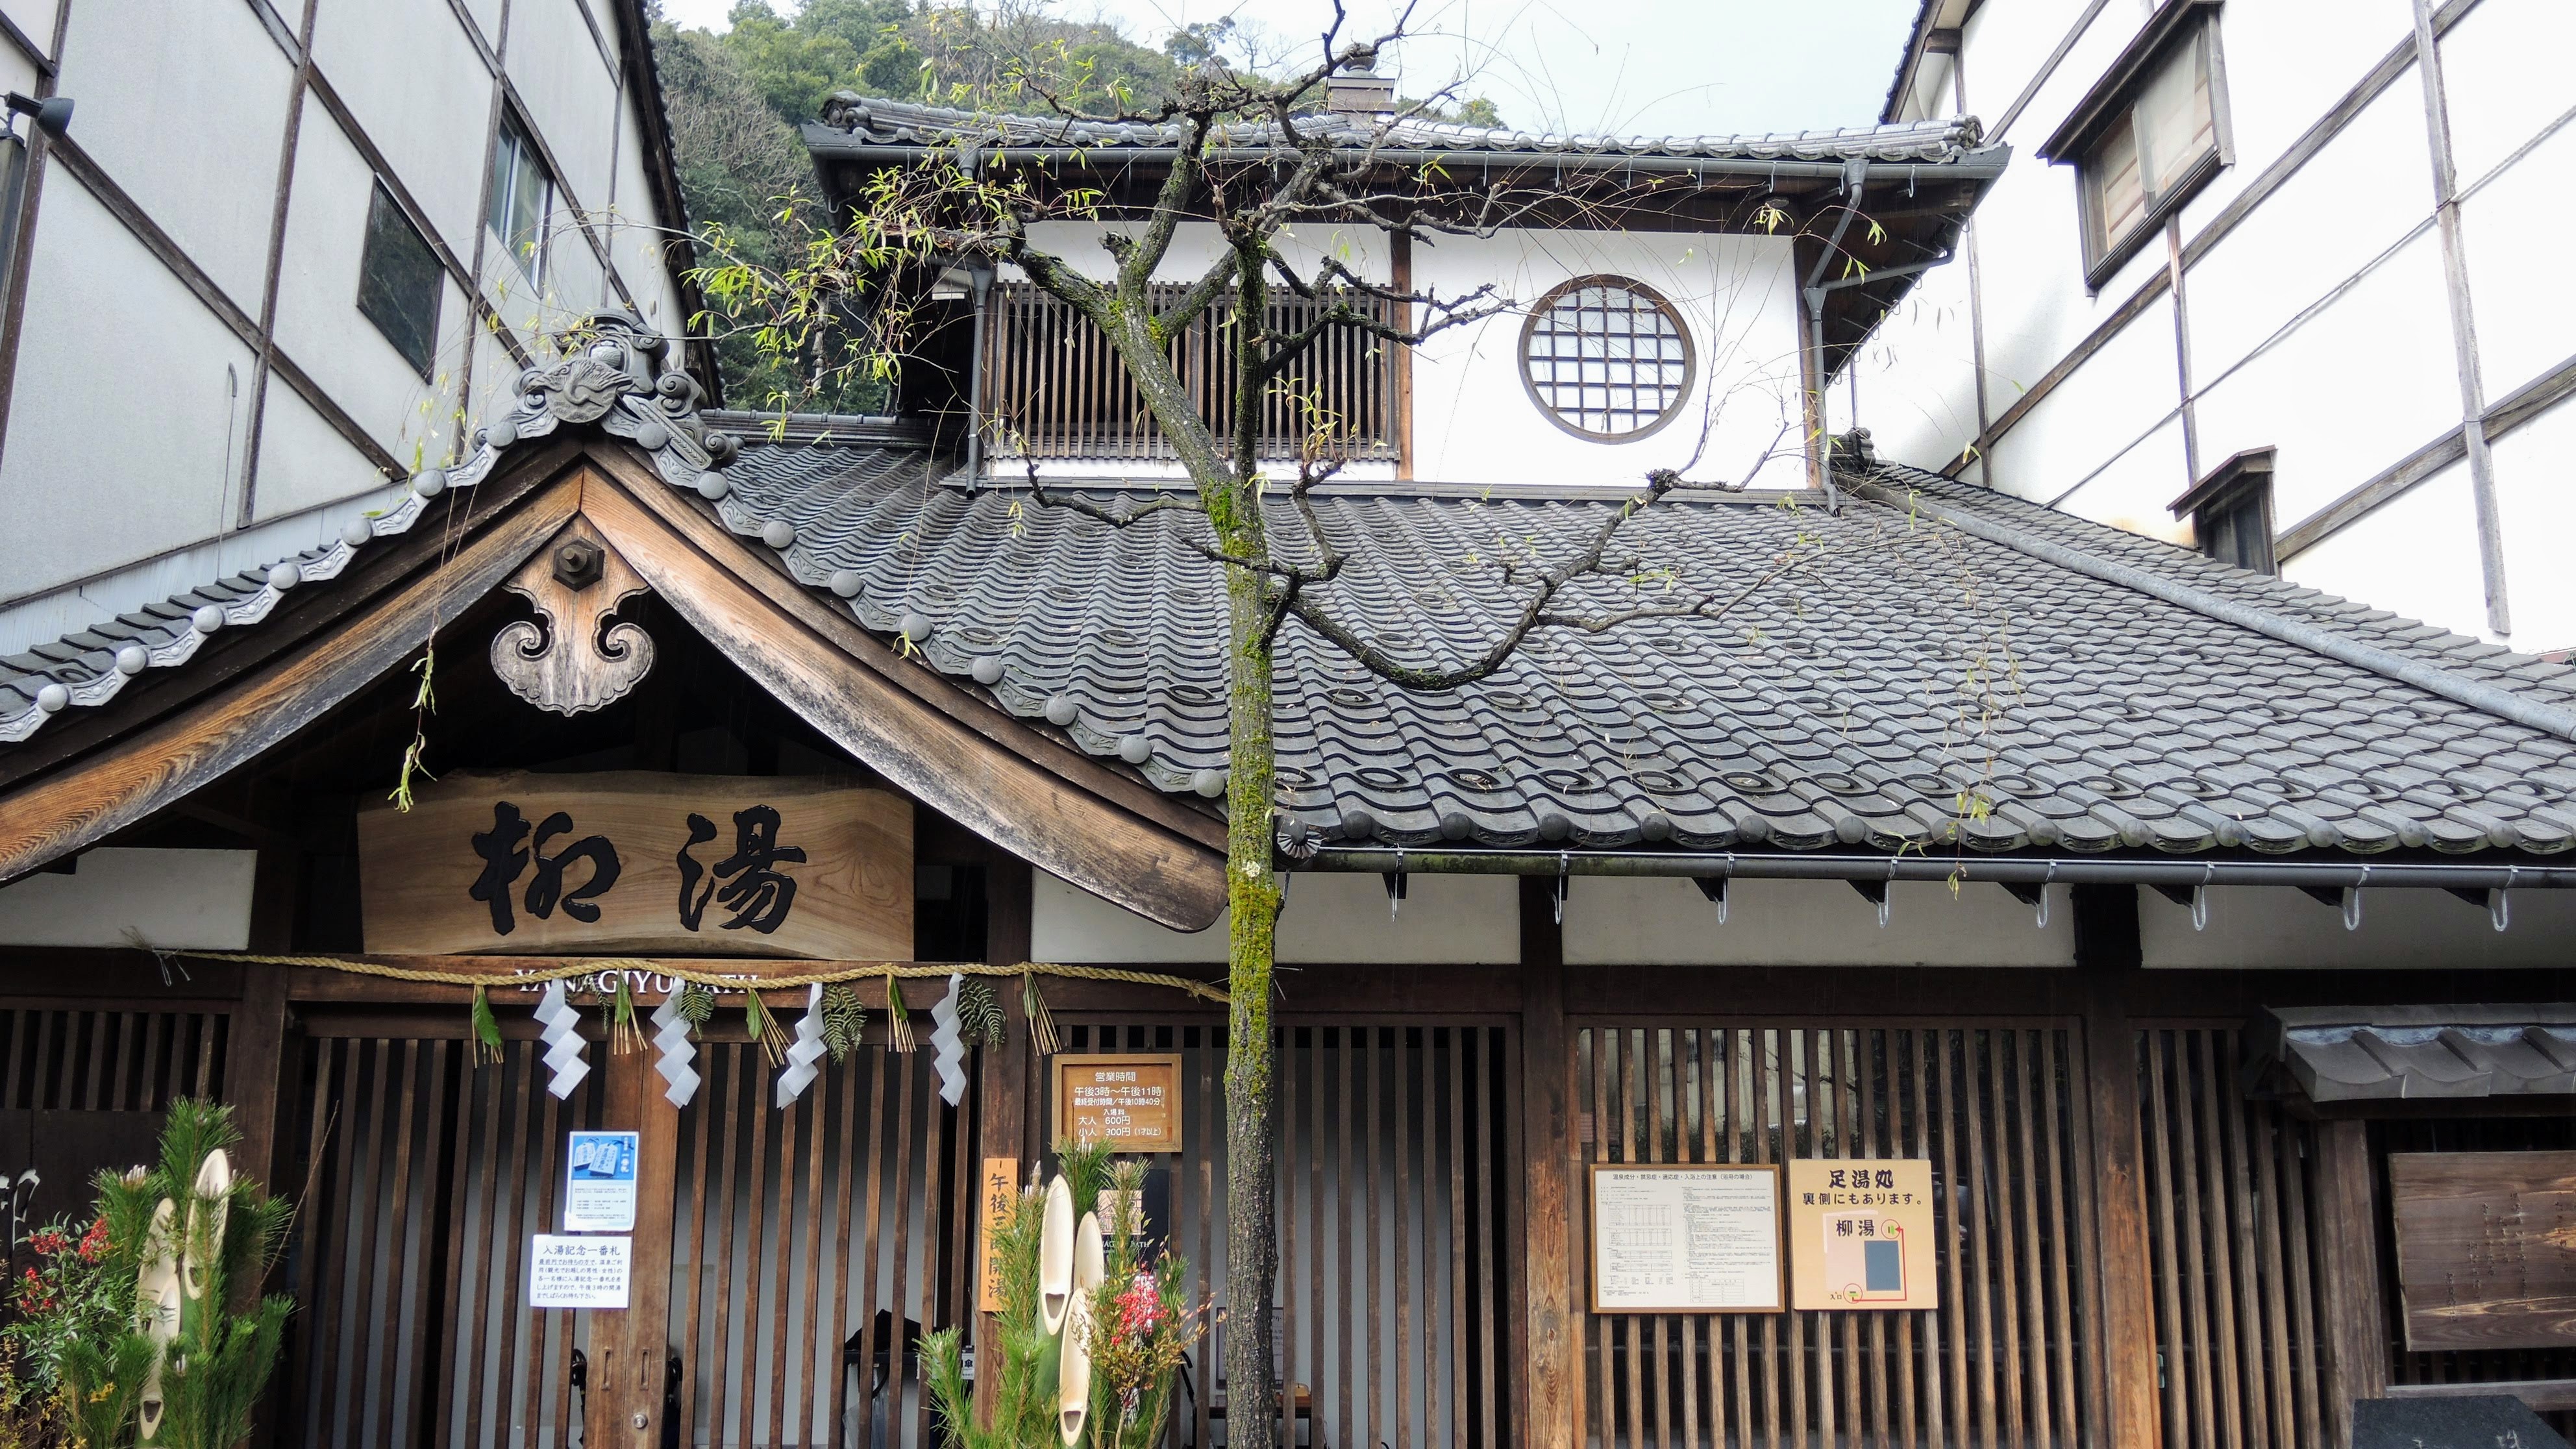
1132,1103
698,865
1686,1238
2486,1248
1860,1233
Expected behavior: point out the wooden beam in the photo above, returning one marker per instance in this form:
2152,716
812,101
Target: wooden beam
2356,1330
1549,1330
628,1347
1003,1108
165,762
2107,954
1139,863
1399,247
2545,1396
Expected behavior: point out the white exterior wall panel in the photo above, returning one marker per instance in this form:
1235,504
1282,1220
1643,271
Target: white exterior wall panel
86,485
1615,922
2286,66
2363,382
409,73
2094,418
2134,490
1335,919
318,321
2007,41
146,115
2535,469
304,462
2411,929
2511,230
2395,557
34,18
1918,373
635,235
2504,70
569,90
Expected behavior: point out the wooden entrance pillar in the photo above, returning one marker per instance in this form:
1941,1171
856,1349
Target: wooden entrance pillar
2107,952
628,1348
1551,1334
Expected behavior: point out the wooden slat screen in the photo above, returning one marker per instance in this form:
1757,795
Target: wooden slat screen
812,1244
1056,390
1999,1111
2228,1196
108,1061
1398,1224
426,1178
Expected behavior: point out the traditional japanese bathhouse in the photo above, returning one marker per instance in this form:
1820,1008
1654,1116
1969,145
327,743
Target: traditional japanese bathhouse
2041,969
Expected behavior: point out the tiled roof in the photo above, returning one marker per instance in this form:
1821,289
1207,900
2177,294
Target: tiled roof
1833,708
849,118
2334,1054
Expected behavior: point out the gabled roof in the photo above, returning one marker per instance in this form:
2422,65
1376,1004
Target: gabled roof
851,120
2146,699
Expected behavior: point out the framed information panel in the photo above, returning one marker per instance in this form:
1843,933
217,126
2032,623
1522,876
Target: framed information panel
1861,1233
1686,1238
1131,1102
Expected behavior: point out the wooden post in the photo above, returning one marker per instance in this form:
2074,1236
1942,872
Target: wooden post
628,1348
1399,247
2348,1255
2107,952
258,1061
1551,1335
1002,1097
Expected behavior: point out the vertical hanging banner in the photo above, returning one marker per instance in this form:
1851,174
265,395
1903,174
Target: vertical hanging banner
1861,1234
1001,1194
569,1272
599,1183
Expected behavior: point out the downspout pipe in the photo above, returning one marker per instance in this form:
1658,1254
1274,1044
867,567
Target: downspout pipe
2018,870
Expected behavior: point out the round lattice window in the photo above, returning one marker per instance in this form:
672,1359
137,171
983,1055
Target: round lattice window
1606,358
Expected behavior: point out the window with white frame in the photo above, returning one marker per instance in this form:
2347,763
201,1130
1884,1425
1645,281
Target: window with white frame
2148,136
523,195
1606,358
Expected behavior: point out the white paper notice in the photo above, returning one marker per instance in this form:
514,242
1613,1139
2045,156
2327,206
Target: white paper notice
1685,1240
580,1272
599,1183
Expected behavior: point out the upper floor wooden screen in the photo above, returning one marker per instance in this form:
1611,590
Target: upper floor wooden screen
1055,389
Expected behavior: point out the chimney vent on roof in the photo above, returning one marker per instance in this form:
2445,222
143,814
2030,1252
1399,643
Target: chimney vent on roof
1360,91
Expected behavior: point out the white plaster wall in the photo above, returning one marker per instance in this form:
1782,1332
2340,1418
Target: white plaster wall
2007,41
1473,420
109,329
2416,555
318,321
303,460
568,88
410,74
2256,926
16,71
2504,70
2310,236
34,18
2536,493
1329,918
635,234
487,19
114,897
1613,922
1918,373
2286,65
2134,490
2121,393
1196,246
2362,383
2526,325
189,122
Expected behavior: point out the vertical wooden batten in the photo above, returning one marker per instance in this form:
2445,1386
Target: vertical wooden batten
627,1349
2348,1257
1002,1093
1550,1343
2107,953
1400,277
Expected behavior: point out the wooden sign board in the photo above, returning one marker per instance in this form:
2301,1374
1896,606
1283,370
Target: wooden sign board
2486,1248
1861,1234
1001,1195
1686,1238
1133,1103
696,865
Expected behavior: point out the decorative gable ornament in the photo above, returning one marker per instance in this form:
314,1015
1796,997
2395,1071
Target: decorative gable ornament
571,659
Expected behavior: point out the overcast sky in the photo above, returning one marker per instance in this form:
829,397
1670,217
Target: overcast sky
1641,66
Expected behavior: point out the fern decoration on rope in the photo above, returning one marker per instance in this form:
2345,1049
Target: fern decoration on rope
979,1015
843,1019
697,1004
487,1031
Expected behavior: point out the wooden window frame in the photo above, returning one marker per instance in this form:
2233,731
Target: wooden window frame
1681,329
2176,28
518,142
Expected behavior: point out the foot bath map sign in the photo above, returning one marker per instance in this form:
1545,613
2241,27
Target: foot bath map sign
1860,1234
1686,1238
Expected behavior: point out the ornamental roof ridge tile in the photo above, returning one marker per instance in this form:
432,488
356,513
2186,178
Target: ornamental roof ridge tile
872,120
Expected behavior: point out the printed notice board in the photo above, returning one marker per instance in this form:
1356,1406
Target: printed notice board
599,1183
572,1272
1860,1234
1132,1103
1686,1238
